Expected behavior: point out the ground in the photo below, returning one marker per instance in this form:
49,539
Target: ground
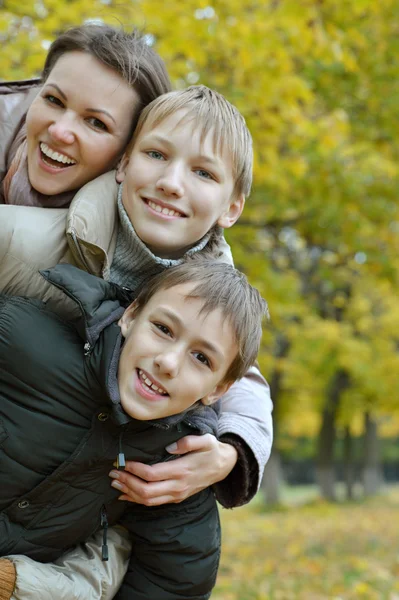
314,551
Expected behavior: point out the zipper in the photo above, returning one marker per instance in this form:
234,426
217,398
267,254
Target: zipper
104,525
79,253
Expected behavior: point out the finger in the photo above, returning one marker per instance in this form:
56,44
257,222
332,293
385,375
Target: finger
151,501
141,491
150,473
192,443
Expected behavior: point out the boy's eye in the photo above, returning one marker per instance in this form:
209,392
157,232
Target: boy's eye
202,358
204,174
155,154
97,124
53,100
162,328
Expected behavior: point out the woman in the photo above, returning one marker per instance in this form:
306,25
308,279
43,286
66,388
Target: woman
88,106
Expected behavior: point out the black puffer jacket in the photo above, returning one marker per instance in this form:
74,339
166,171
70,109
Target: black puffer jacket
61,429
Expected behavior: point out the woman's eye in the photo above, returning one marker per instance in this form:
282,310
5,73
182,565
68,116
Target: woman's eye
97,123
53,100
162,328
204,174
155,154
202,358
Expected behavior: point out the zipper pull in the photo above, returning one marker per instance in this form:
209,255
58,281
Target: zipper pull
104,525
87,348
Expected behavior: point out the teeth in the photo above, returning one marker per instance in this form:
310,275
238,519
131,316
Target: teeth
56,155
164,211
151,385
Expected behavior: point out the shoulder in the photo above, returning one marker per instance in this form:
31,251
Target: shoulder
15,99
32,239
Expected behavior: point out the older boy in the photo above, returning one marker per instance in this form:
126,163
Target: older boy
75,397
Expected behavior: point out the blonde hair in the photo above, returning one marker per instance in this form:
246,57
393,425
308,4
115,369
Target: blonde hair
210,111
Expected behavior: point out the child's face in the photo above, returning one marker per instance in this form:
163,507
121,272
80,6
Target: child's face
172,356
176,188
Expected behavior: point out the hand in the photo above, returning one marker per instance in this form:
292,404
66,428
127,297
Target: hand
205,461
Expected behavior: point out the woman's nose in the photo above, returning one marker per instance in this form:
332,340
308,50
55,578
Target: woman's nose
63,130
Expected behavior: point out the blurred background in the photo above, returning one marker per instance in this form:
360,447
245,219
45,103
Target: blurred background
318,83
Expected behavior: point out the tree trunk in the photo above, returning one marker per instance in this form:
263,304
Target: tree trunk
272,478
348,464
372,476
325,473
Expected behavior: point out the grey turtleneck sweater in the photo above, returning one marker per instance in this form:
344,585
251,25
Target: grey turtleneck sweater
133,262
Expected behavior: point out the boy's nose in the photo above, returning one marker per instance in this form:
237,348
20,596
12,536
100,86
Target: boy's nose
171,181
62,130
168,363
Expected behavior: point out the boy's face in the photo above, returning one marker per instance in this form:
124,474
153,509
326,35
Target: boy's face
172,355
176,188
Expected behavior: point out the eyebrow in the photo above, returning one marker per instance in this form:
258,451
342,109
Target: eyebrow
202,341
213,160
89,109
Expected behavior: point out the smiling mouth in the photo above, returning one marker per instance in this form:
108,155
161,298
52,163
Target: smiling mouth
150,385
55,159
169,212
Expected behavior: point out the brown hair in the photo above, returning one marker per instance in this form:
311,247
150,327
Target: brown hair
221,286
211,111
126,53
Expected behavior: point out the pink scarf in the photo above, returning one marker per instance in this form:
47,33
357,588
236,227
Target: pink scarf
16,186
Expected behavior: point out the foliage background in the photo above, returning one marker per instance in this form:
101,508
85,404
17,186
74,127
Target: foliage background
318,83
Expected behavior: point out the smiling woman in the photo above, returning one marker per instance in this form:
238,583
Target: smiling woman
75,128
57,137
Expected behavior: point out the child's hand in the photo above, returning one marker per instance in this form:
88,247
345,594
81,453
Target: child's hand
205,462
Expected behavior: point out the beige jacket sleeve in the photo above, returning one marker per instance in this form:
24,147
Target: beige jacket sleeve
31,239
80,574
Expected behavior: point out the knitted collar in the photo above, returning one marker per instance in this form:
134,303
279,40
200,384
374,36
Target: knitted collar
133,261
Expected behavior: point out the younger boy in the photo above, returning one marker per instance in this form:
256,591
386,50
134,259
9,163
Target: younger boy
118,384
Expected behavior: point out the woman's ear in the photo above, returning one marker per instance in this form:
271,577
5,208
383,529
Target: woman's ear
232,213
121,168
126,320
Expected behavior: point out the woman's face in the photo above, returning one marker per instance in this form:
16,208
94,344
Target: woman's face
78,125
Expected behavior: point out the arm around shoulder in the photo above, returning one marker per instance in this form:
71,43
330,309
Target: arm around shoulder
246,423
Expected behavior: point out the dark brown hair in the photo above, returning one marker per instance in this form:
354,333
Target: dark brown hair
126,53
221,286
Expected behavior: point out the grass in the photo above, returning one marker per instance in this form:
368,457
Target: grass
311,550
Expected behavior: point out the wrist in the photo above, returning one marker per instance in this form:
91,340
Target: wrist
228,459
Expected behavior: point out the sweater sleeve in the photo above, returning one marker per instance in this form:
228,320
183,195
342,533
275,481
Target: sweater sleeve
79,574
176,550
246,423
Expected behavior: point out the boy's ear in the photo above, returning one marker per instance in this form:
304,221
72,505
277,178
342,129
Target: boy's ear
127,318
219,390
121,168
232,213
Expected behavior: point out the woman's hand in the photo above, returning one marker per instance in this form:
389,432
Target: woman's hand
205,462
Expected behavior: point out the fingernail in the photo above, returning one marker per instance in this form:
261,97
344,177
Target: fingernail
114,474
117,485
172,447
